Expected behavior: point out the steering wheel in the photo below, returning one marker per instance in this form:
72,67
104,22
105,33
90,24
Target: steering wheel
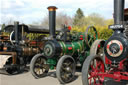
90,35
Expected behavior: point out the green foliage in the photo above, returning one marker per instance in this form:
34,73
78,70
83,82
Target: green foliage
2,28
98,21
78,19
81,22
103,31
34,36
79,14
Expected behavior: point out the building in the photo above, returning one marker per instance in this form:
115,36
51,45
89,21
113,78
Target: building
126,14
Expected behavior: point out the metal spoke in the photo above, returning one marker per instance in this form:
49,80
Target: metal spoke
95,66
67,69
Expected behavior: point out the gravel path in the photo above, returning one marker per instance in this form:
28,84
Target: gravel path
27,79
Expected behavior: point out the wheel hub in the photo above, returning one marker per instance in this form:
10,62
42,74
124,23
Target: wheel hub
68,69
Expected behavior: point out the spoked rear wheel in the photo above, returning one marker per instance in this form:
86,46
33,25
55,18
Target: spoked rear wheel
92,66
38,66
65,70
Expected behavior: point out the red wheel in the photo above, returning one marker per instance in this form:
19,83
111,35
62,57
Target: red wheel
92,66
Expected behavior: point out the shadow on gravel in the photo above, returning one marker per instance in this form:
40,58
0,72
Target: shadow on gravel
23,71
78,69
112,82
53,74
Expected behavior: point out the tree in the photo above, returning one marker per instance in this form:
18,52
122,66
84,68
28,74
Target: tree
79,18
94,19
61,19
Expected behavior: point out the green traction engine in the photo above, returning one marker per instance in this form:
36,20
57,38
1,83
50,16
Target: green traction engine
64,51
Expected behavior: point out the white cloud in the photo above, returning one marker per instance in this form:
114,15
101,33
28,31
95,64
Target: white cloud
30,11
7,4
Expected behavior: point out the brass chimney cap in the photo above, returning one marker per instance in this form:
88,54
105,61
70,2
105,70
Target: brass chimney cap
52,8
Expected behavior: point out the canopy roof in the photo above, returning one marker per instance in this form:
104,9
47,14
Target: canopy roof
29,29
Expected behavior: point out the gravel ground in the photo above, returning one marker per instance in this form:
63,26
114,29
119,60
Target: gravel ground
27,79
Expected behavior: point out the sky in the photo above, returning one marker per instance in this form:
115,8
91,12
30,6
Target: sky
29,11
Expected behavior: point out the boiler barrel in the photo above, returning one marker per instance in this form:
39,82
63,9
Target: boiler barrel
30,51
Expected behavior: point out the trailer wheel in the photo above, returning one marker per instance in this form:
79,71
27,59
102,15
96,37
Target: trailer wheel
38,66
92,66
66,68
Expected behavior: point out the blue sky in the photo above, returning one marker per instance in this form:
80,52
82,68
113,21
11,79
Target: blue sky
28,11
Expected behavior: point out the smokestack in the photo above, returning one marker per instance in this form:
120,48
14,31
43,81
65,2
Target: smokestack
52,20
16,31
118,12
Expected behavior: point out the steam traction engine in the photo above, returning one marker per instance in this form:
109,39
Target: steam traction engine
17,50
115,66
64,50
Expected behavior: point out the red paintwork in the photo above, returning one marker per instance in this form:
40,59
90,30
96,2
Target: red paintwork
33,42
99,46
69,48
94,70
69,27
81,35
81,38
107,46
98,70
94,36
116,73
107,61
121,47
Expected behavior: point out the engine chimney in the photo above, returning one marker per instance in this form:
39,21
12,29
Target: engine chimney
52,21
16,31
118,12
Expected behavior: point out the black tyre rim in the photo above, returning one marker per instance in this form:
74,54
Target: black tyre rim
40,67
10,70
67,70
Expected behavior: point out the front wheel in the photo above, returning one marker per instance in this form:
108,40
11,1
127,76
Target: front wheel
38,66
65,70
92,66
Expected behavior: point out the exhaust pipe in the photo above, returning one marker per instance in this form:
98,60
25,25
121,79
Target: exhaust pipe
118,12
52,21
16,31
